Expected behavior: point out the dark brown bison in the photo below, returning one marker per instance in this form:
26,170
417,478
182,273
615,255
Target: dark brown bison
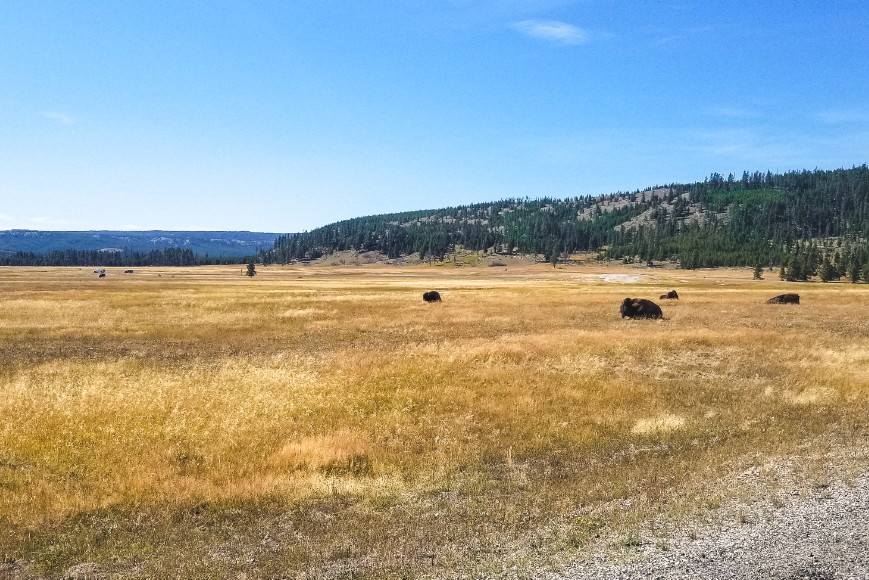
433,296
671,295
640,308
784,299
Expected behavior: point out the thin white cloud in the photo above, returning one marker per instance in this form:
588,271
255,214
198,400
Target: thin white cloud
59,117
844,116
666,37
552,31
6,218
47,221
754,148
733,112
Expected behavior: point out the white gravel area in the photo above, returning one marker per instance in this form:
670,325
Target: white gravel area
616,278
813,529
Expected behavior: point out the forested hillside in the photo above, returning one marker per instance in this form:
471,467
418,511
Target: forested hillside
795,220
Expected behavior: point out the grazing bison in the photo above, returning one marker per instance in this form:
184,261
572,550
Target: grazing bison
640,308
671,295
432,296
784,299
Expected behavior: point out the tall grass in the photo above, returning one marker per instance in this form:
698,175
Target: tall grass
327,420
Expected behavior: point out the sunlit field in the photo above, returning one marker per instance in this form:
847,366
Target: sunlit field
325,420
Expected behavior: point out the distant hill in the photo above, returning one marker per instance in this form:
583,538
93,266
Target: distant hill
760,219
212,244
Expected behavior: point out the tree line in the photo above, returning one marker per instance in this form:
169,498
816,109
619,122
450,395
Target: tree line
761,219
163,257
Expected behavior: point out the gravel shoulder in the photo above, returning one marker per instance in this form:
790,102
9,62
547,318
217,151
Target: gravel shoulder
789,522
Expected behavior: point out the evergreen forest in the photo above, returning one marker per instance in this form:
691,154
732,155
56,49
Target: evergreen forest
805,223
164,257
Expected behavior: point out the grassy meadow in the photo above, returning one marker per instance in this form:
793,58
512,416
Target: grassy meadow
326,421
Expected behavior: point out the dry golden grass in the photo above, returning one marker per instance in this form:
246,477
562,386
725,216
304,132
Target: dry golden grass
199,423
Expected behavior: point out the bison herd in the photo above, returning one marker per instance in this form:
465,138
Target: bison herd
101,272
642,308
630,307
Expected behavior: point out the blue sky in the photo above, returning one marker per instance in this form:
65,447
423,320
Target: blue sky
284,116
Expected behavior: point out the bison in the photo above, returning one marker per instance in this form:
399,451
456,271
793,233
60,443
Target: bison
640,308
102,275
784,299
671,295
432,296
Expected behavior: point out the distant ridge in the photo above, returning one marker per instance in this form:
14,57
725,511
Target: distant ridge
212,244
796,219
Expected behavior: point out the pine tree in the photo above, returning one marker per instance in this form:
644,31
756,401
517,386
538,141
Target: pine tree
826,270
795,268
758,271
854,271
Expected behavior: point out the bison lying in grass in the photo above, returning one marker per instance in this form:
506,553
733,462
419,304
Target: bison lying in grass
433,296
671,295
640,308
784,299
